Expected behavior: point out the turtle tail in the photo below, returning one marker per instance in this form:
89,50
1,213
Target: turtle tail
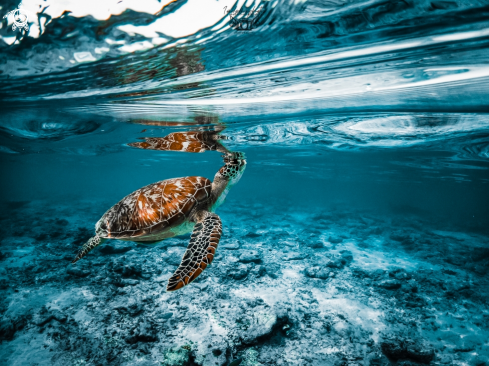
88,246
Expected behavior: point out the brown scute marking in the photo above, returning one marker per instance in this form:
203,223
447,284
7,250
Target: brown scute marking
188,206
179,285
146,210
148,122
143,145
155,207
203,242
194,275
202,194
160,226
192,141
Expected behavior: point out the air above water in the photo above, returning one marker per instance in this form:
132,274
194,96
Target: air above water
277,183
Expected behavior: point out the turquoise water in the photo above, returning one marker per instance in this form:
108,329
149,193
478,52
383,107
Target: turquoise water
357,235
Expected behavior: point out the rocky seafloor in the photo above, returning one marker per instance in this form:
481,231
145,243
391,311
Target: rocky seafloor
287,287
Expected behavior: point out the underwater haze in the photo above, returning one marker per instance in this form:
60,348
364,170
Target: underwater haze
358,233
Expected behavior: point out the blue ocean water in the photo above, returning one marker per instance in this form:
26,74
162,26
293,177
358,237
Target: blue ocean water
358,233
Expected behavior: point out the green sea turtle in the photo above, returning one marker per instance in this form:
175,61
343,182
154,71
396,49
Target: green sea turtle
190,141
169,208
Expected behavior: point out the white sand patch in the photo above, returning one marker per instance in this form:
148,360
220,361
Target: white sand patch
291,273
379,259
82,317
271,295
357,313
216,324
201,332
66,299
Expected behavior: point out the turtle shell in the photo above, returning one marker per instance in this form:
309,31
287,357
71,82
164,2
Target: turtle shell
192,141
153,208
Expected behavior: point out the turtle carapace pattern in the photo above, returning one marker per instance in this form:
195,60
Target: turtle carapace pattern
191,141
169,208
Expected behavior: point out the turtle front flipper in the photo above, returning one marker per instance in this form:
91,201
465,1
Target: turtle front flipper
88,246
200,251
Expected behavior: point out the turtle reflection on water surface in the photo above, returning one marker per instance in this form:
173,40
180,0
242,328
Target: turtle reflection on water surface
191,141
169,208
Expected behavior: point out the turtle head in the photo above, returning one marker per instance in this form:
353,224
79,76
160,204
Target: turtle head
234,166
227,176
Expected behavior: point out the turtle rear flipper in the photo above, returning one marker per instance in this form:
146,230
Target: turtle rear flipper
200,251
88,246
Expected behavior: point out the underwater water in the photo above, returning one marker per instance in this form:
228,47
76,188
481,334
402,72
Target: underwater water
358,234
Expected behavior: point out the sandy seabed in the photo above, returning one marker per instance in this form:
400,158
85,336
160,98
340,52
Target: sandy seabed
287,287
